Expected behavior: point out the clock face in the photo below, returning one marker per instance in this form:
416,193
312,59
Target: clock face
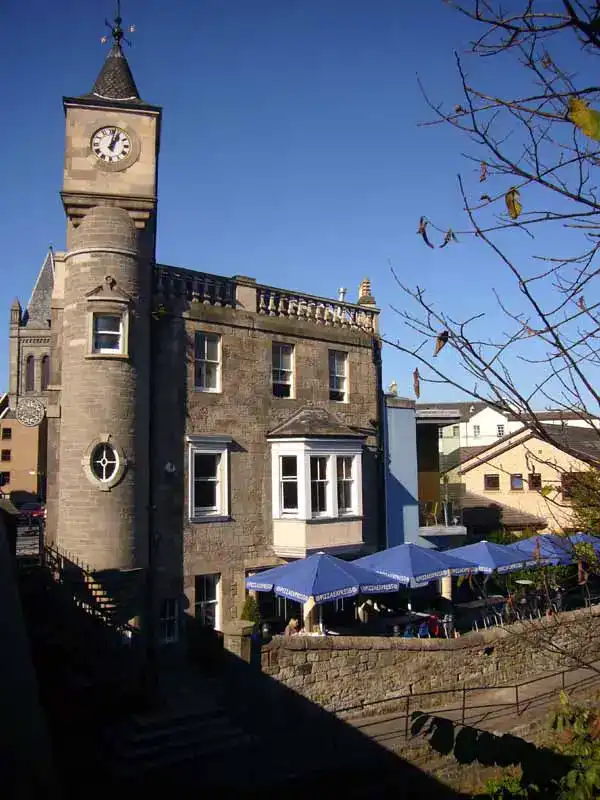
30,412
111,144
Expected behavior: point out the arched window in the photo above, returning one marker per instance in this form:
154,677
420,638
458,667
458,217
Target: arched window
45,372
30,374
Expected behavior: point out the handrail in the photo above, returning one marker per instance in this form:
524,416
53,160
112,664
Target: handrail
57,560
463,690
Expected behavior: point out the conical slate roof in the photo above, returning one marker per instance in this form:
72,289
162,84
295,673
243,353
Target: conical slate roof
115,81
38,311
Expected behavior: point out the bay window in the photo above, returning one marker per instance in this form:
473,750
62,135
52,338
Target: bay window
316,479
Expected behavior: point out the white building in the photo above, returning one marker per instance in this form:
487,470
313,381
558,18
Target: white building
480,425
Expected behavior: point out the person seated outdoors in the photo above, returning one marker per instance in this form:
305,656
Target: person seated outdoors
291,628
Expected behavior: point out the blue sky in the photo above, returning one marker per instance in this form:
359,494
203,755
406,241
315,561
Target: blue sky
291,150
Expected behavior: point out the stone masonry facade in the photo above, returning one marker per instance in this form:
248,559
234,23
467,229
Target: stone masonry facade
245,409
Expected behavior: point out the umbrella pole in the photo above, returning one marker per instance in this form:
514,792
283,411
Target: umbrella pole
307,614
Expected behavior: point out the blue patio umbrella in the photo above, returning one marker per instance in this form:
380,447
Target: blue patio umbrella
414,566
544,549
585,538
322,577
490,557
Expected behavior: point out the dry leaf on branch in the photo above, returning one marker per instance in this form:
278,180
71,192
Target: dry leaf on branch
417,382
483,171
422,231
513,202
486,197
450,236
440,342
581,303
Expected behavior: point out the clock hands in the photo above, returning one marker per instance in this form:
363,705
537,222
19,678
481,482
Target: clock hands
114,140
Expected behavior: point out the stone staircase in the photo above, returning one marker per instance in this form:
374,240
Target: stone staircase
150,744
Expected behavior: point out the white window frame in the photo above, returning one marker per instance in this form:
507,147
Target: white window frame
304,449
292,370
347,512
319,479
107,351
205,360
210,445
170,618
287,479
216,602
333,373
476,431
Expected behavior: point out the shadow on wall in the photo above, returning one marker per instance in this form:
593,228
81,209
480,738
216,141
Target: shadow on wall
171,351
402,507
469,745
481,521
296,750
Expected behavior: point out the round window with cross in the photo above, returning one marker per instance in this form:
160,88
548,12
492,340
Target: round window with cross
105,462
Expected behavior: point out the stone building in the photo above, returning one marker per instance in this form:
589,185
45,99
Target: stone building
24,447
200,427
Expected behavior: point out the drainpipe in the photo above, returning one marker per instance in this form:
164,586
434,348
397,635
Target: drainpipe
380,447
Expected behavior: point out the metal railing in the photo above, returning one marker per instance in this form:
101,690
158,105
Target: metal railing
520,702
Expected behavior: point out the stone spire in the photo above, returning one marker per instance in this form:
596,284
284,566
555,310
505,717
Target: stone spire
15,312
115,81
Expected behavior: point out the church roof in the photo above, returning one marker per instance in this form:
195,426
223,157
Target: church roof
115,81
38,311
314,422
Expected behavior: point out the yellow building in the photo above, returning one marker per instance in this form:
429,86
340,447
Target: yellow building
521,479
22,456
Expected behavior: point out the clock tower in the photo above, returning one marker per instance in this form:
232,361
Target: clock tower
98,503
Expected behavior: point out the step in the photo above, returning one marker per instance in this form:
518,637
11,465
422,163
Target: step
179,752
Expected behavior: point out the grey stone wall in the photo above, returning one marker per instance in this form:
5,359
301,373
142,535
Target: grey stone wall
246,410
338,672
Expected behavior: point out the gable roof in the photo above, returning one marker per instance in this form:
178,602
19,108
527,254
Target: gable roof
582,442
314,422
38,312
546,416
459,456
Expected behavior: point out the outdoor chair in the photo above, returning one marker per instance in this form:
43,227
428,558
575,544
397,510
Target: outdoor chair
430,512
423,632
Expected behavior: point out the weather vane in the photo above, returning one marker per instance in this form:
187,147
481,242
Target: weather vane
116,29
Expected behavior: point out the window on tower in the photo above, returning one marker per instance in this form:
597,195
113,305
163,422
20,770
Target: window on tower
30,374
107,334
45,382
105,462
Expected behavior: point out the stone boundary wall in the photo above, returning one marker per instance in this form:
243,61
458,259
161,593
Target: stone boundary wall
339,672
